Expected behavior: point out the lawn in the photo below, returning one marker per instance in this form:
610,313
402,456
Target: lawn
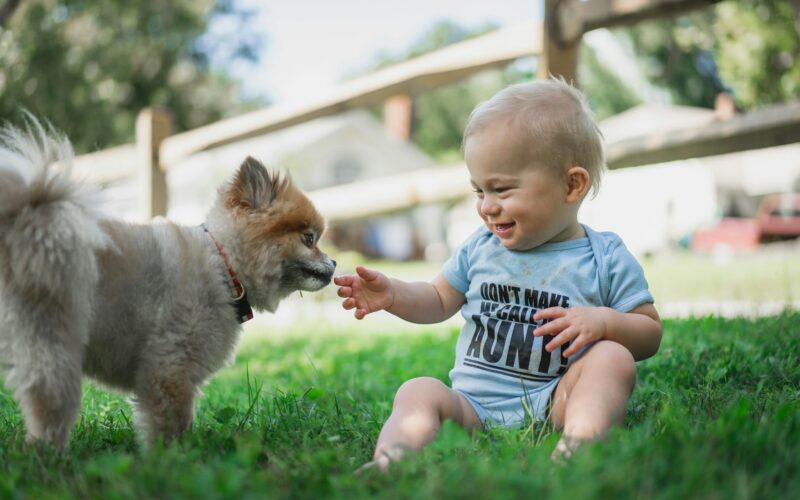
716,414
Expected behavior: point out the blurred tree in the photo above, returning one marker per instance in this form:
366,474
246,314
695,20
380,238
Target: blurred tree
90,66
6,9
608,95
749,47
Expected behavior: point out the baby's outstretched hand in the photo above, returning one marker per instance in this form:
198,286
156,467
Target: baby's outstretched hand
366,291
580,326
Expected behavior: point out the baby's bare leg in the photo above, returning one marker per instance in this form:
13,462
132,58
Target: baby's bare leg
420,407
593,394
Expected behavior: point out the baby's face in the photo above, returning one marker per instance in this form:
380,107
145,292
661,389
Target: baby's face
523,203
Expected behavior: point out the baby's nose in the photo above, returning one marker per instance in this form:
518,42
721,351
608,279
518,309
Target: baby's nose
489,206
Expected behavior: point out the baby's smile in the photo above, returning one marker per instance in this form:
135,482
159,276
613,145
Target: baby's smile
504,229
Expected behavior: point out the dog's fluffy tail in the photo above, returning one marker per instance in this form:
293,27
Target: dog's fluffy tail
49,228
49,239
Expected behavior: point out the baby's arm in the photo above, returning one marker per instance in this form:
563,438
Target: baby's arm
639,330
368,291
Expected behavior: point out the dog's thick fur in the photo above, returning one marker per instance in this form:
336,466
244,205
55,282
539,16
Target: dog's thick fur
146,309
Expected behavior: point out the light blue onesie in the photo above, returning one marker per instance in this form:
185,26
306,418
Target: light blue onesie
500,367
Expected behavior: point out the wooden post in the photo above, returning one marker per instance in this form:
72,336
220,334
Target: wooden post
561,37
153,125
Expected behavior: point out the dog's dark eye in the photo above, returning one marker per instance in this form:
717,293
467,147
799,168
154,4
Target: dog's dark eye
308,239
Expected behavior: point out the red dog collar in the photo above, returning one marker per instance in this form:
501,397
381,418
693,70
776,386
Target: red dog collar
243,310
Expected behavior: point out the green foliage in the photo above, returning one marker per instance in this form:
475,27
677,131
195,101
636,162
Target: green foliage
750,47
667,59
716,414
90,67
608,95
759,50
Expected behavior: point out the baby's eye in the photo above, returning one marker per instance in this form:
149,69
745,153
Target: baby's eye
308,239
478,193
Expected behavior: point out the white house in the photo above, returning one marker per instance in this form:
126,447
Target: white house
321,153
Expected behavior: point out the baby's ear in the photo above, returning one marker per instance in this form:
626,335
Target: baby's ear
578,181
253,187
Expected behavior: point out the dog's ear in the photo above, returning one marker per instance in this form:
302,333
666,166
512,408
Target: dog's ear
254,187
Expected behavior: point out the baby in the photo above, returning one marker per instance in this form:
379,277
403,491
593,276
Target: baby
556,313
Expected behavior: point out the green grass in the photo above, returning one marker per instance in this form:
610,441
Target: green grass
716,414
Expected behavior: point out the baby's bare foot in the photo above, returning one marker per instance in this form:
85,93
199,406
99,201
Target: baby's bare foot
380,463
565,449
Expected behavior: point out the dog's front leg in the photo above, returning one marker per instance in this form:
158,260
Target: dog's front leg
165,406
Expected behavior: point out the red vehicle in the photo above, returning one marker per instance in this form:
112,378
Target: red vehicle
730,232
779,216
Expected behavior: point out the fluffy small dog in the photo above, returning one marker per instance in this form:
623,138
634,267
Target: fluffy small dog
153,310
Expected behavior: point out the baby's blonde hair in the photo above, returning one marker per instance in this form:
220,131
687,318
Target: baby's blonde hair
558,128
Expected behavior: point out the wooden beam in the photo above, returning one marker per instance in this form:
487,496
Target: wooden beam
609,13
393,193
412,77
762,128
575,17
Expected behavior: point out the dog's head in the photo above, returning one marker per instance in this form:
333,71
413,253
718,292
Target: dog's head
277,229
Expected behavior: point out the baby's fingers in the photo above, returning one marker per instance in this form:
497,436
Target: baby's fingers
343,280
345,291
550,313
551,328
366,274
561,339
577,344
